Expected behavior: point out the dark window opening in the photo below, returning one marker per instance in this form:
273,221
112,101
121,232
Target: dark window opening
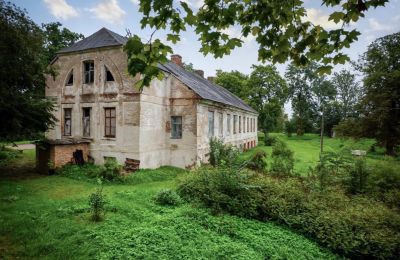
67,121
86,121
89,72
176,122
70,79
109,76
110,122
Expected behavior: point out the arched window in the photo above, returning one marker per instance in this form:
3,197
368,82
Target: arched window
70,79
109,76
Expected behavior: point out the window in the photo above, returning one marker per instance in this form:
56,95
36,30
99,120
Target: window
67,121
88,71
247,124
109,76
86,121
240,124
221,124
210,123
176,122
228,124
70,80
110,121
234,124
244,124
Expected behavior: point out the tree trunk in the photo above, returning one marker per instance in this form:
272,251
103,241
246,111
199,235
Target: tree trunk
390,149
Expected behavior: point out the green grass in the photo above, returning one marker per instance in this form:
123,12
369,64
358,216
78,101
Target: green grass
306,150
46,217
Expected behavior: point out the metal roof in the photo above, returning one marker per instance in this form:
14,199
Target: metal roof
101,38
205,88
201,86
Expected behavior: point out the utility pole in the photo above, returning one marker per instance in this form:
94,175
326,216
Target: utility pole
322,132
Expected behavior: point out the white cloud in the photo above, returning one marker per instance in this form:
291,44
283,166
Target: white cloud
108,11
319,17
234,32
136,2
375,26
61,9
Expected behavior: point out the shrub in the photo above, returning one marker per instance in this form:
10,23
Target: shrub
221,153
258,161
167,197
358,176
269,140
111,170
282,159
290,127
7,154
96,203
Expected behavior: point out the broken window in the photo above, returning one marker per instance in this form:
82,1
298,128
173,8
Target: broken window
210,123
110,121
70,80
221,124
67,121
89,72
176,122
234,124
109,76
86,121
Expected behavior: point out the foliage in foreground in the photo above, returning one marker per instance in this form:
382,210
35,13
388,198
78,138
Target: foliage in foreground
97,203
167,197
354,226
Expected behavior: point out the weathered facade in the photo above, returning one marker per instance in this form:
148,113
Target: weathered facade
168,123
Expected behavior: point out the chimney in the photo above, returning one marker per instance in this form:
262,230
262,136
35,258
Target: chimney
177,59
211,79
200,73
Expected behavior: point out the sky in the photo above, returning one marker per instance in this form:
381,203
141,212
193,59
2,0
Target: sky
88,16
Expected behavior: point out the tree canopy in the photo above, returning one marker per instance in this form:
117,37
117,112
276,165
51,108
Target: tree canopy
280,28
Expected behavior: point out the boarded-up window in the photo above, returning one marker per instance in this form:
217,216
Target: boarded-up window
234,124
67,121
110,121
228,124
176,122
210,123
109,76
240,124
88,71
221,124
86,121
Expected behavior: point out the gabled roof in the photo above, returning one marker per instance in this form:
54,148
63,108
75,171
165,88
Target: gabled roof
101,38
204,88
201,86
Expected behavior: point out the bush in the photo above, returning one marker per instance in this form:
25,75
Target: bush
269,140
111,170
96,203
282,159
221,153
167,197
258,161
358,176
357,227
7,154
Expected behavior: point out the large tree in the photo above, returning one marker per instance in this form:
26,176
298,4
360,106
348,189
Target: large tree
234,81
380,104
280,28
348,92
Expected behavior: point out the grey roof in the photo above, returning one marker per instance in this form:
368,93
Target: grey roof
101,38
204,88
201,86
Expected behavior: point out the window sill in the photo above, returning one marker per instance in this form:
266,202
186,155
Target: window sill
176,138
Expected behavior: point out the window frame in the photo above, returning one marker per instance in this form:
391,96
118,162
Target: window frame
84,109
70,75
179,126
69,117
228,124
110,117
90,72
235,124
221,124
211,127
107,70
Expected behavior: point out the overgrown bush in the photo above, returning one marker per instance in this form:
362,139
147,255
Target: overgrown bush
357,227
282,159
221,153
7,154
358,176
258,162
269,140
167,197
111,170
97,203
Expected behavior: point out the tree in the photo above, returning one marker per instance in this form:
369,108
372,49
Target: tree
56,38
188,66
348,92
280,28
23,110
380,104
234,81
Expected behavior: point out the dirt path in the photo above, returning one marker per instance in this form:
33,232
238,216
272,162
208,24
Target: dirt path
22,146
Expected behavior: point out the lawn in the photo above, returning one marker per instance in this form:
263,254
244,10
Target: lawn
306,150
46,217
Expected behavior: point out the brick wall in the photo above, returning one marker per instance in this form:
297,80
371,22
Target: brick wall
63,154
